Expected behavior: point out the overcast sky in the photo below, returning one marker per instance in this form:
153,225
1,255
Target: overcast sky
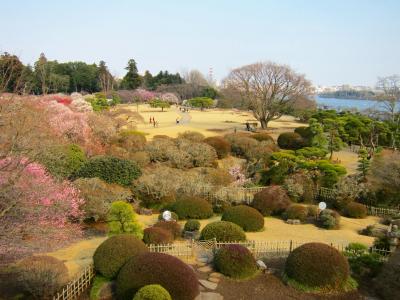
332,42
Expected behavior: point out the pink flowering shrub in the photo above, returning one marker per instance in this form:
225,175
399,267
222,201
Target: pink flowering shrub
142,95
62,99
39,212
239,178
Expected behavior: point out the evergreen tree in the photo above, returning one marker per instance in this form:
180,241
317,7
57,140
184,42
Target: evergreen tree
132,79
363,163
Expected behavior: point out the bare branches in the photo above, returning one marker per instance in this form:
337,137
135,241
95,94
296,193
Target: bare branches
268,88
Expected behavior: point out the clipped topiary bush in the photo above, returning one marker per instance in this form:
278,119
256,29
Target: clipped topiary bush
171,226
296,211
157,268
192,208
317,265
329,219
290,140
221,145
41,276
355,210
157,235
114,252
152,292
193,136
246,217
262,136
110,169
223,231
235,261
192,225
272,200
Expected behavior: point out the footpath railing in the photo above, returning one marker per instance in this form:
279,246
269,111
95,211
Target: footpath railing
73,289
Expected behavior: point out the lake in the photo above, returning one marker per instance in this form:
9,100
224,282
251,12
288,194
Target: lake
345,104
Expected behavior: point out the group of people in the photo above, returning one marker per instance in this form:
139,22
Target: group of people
154,122
183,109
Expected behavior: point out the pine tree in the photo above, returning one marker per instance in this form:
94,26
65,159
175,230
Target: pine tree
363,163
132,80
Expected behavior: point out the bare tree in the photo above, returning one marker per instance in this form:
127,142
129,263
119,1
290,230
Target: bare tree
390,100
195,77
268,88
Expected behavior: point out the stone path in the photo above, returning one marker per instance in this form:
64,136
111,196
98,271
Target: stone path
209,285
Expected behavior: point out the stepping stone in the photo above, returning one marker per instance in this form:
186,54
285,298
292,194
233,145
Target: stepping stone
209,296
216,274
208,284
205,269
214,279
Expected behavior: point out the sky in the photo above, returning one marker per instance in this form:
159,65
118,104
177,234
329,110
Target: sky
332,42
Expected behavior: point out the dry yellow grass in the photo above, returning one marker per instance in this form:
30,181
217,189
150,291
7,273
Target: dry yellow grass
209,122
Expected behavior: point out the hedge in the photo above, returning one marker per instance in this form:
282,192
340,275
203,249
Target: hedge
110,169
171,226
329,219
223,231
246,217
152,292
235,261
221,145
355,210
157,235
296,211
192,225
290,140
262,136
192,208
157,268
114,252
317,265
272,200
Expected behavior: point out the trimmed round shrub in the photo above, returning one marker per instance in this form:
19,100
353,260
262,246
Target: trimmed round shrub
174,216
235,261
329,219
296,211
355,210
110,169
221,146
192,208
272,200
192,225
223,231
246,217
157,268
157,235
290,140
262,136
317,265
114,252
41,276
193,136
152,292
171,226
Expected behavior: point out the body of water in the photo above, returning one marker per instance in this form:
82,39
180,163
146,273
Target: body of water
346,104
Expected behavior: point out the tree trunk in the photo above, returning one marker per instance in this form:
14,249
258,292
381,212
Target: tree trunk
264,123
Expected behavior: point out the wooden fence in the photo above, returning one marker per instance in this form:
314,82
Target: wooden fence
233,194
73,289
380,211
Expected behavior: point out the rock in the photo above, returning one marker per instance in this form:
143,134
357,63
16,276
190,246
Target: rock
201,264
216,274
293,221
214,279
208,284
209,296
261,265
145,211
191,235
205,269
203,260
